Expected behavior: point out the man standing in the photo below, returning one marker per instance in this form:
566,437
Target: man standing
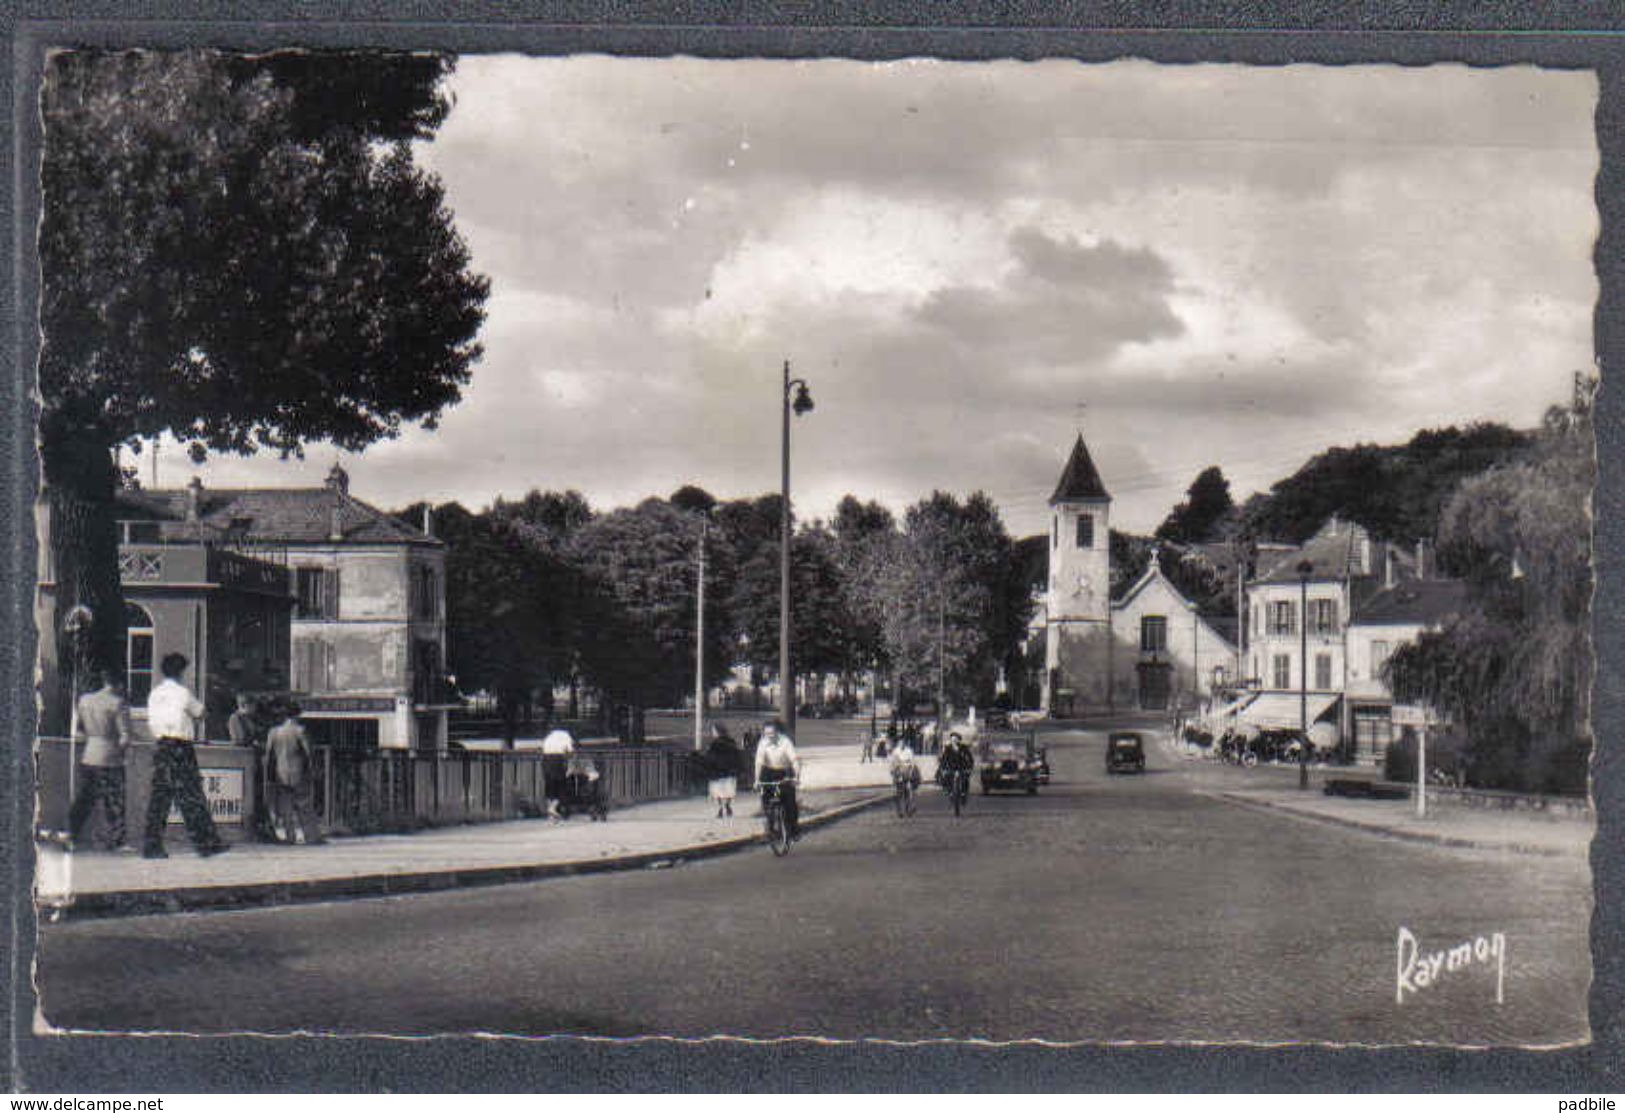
172,714
243,728
289,757
103,725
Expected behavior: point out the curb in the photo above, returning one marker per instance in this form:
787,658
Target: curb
1387,832
138,902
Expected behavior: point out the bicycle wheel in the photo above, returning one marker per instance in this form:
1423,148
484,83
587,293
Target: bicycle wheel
778,832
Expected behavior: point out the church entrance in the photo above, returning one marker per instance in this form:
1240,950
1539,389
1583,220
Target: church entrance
1156,684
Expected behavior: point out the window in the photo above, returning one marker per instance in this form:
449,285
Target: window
137,654
1154,634
1086,531
1379,658
423,592
1283,671
318,590
313,666
1323,671
1283,617
1324,616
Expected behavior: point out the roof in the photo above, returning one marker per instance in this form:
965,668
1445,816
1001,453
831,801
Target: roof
1413,602
1080,481
1336,551
275,515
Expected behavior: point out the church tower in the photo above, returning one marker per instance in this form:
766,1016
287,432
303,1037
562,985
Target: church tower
1078,631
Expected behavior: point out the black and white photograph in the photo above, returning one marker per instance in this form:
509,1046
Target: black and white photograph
593,545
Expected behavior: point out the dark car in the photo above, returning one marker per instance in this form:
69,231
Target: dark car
1010,761
996,718
1125,753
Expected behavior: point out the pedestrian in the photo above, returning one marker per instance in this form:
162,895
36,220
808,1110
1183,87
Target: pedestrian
777,761
868,753
288,758
243,728
102,723
556,750
722,758
172,715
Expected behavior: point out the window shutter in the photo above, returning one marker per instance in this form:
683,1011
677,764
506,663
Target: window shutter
330,593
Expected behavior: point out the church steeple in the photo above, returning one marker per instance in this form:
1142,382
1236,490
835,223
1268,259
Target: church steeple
1080,481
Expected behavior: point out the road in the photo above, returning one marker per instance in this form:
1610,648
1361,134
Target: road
1129,908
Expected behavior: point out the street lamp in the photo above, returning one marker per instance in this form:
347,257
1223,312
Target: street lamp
1305,569
802,403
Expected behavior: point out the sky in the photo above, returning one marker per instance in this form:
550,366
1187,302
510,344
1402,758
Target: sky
970,263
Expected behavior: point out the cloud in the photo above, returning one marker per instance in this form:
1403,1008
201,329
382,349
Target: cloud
1202,264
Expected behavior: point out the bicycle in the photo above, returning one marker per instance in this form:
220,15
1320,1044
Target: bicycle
907,793
958,787
773,818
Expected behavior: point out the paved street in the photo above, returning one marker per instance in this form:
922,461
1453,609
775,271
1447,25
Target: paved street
1128,908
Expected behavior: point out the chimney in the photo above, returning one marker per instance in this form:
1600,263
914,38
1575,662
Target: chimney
194,499
335,525
338,480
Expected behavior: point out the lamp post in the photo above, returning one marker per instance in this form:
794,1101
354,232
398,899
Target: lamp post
801,404
1305,569
699,647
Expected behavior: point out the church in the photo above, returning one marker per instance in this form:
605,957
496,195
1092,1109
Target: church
1150,649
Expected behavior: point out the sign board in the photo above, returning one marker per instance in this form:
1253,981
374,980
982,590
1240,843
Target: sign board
364,704
223,791
1410,715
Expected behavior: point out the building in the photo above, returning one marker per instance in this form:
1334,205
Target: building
1393,617
184,592
1151,649
1165,653
368,624
1077,631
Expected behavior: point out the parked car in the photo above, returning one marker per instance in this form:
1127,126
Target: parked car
1125,752
996,718
1011,761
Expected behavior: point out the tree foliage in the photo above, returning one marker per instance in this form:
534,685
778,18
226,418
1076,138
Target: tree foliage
1515,667
1207,504
1395,492
240,252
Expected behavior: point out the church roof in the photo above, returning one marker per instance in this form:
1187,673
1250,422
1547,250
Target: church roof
1080,481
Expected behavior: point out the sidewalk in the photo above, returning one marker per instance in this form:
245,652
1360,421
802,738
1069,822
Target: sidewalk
650,835
1276,789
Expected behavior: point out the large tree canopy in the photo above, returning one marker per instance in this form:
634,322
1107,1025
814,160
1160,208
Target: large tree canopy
243,253
1207,504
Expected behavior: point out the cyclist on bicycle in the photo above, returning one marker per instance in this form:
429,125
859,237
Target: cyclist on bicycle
777,763
957,757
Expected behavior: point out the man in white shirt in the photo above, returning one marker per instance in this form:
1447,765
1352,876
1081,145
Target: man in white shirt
777,762
557,748
172,715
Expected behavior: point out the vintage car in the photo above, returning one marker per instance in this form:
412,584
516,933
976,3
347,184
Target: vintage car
1010,761
1125,752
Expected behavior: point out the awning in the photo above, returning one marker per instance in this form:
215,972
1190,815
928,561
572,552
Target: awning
1231,708
1281,709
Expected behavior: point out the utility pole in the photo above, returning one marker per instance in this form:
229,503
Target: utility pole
699,649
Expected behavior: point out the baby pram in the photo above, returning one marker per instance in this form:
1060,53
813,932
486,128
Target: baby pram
583,790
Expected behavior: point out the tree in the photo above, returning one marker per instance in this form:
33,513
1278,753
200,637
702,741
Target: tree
957,601
819,622
866,539
557,514
640,566
235,255
1514,668
512,608
1207,504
